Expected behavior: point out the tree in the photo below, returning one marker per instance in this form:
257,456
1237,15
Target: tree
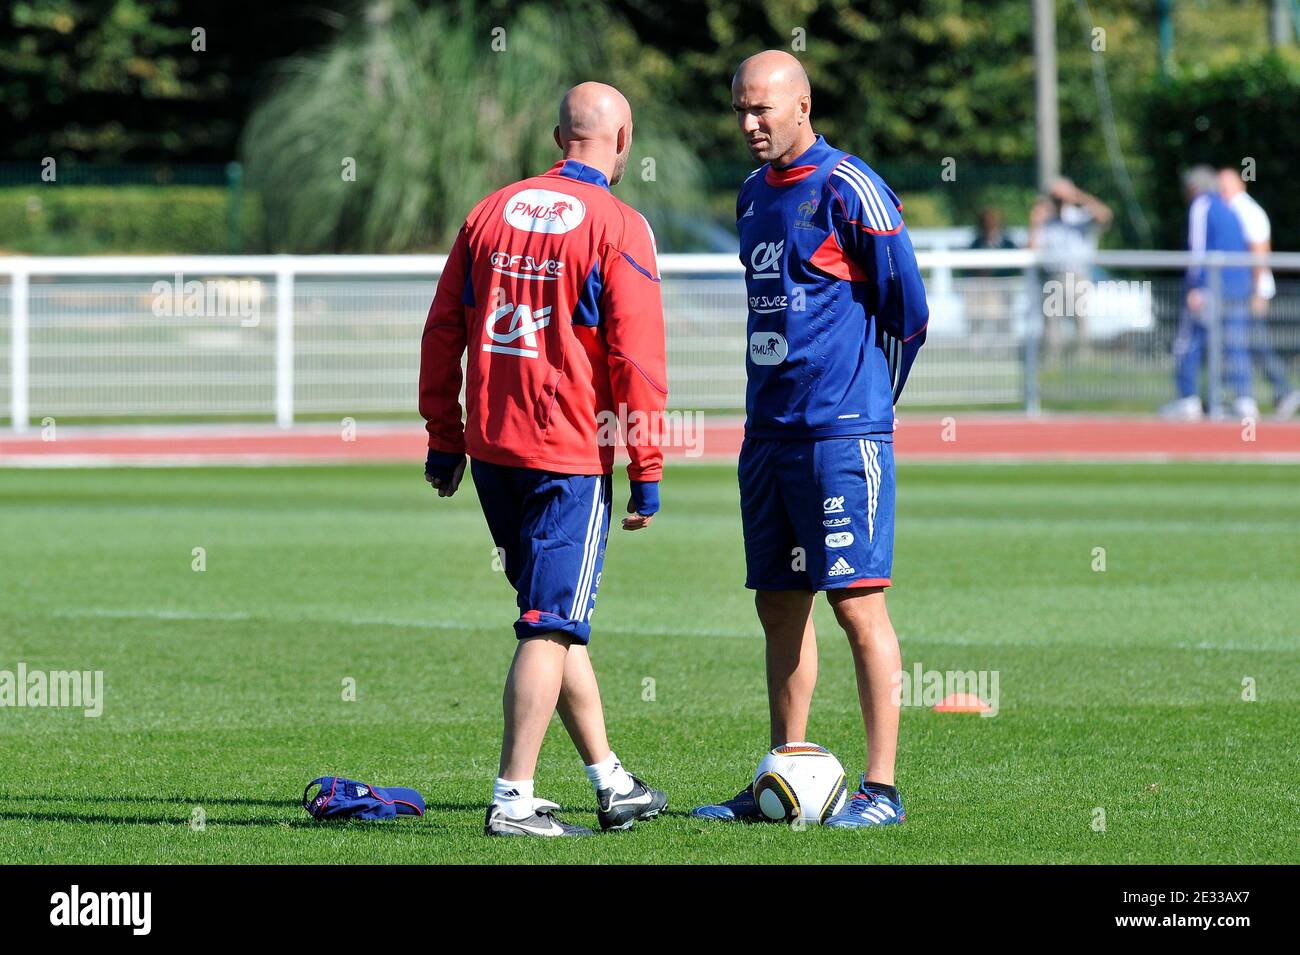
132,80
385,140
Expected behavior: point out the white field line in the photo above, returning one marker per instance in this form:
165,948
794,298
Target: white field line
1140,457
754,633
290,459
78,461
398,622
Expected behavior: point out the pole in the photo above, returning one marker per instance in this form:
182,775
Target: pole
1166,13
1214,360
18,351
1032,335
284,347
1280,23
1048,126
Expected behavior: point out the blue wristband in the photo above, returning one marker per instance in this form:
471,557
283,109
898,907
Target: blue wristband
645,497
440,465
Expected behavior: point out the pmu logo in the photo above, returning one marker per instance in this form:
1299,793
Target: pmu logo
542,210
768,348
522,322
765,260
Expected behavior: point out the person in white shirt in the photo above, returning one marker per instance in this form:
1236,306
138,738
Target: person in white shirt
1065,225
1259,236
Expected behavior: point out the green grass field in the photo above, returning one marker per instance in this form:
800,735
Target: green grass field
1120,690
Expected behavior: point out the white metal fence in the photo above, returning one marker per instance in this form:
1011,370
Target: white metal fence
285,336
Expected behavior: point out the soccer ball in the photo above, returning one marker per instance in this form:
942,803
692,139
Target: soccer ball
799,782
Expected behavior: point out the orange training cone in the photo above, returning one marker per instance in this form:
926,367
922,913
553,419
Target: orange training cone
962,703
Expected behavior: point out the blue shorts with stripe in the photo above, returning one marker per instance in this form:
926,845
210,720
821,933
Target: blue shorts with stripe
551,529
818,514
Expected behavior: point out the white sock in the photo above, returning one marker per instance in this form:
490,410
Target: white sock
515,797
610,774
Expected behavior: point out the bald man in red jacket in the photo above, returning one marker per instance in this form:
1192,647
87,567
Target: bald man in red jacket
552,287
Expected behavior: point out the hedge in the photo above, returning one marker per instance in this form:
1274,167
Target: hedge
87,220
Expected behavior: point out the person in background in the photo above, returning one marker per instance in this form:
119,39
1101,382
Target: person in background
1066,225
990,235
988,306
1212,226
1259,233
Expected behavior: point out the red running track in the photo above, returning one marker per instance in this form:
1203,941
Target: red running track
956,437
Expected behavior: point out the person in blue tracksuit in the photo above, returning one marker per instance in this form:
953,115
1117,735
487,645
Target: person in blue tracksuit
1212,226
837,314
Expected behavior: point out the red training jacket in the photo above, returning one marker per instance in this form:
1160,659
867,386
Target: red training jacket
553,286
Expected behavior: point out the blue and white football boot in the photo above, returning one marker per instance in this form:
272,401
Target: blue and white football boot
868,807
739,808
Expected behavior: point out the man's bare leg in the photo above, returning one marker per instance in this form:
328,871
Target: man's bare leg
876,658
621,798
786,616
532,690
580,707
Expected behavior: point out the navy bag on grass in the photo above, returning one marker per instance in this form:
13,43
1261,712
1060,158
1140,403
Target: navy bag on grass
340,798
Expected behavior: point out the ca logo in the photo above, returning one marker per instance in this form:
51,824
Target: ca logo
523,323
766,259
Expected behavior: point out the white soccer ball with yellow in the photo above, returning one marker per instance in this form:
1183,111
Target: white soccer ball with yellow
799,782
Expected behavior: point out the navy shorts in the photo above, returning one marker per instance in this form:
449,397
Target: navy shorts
551,529
818,514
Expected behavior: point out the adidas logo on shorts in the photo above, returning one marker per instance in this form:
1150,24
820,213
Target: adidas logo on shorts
840,568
